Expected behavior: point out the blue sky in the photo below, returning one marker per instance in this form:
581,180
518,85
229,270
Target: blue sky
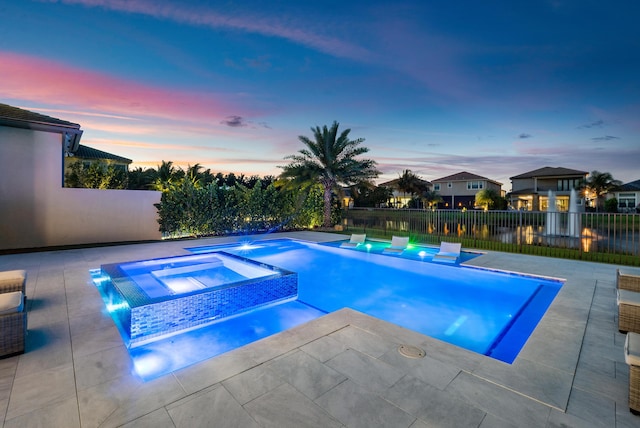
496,88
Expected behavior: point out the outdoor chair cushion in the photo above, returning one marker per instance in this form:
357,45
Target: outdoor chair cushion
12,280
632,349
627,297
11,302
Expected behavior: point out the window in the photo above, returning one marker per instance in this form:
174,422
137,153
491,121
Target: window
436,187
449,185
626,200
474,185
568,184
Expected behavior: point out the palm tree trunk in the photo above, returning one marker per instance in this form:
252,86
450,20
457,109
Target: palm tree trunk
327,206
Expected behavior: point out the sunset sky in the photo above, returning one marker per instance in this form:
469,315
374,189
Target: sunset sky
496,88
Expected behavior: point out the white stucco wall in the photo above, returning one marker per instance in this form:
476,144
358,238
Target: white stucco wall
36,211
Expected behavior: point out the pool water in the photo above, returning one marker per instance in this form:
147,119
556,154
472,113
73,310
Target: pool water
469,307
176,275
488,312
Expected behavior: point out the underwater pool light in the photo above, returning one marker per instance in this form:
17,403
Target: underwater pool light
98,278
422,253
113,307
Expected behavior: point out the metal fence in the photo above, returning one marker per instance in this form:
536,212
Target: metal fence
611,238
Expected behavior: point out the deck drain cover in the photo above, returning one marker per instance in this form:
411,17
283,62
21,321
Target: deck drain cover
411,351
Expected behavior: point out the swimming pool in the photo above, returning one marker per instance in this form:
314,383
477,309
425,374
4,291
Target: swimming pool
488,312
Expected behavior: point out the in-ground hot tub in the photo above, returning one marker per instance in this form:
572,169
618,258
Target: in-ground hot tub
159,297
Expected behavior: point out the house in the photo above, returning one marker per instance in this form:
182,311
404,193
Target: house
88,155
628,196
401,198
38,211
459,190
529,191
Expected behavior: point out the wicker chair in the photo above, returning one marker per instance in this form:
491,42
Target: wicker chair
13,323
628,311
13,280
627,281
632,358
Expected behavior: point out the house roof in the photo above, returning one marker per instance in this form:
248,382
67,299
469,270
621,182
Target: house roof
466,176
633,186
19,118
549,171
10,113
394,182
85,152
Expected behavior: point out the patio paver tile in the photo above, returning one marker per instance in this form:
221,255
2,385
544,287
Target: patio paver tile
285,407
357,407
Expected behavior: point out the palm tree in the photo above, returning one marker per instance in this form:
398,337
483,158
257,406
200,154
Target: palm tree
487,198
329,159
409,183
431,198
601,183
165,176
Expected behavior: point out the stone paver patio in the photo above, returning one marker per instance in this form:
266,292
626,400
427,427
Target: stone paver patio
343,369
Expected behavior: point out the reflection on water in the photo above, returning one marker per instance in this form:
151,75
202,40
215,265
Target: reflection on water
587,239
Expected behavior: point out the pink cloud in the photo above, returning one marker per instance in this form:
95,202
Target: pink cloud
44,81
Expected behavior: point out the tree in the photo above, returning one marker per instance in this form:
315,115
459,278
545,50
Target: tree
166,175
368,195
141,179
487,198
98,175
600,183
331,160
409,183
430,198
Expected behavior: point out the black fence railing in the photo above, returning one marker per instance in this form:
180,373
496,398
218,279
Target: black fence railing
604,237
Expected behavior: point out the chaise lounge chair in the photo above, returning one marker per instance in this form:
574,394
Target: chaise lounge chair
356,239
626,280
449,252
398,245
628,311
13,312
632,358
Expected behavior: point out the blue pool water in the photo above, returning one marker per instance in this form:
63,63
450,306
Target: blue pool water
492,313
469,307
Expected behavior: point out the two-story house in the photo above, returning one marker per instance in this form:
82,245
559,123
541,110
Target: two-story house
459,190
529,191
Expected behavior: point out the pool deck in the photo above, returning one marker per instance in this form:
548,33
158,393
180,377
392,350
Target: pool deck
343,369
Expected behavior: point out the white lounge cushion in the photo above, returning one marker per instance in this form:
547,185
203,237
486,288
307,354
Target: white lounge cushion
11,302
10,277
356,239
632,349
399,241
628,297
398,245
